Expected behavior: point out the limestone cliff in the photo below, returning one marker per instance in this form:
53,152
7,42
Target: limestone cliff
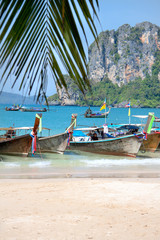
124,54
70,97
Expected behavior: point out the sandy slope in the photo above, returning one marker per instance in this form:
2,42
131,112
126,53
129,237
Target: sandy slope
80,209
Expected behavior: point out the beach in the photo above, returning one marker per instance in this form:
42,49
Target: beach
80,209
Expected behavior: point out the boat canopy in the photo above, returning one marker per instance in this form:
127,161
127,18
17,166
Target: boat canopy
95,112
21,128
124,126
145,116
87,129
128,127
79,134
140,116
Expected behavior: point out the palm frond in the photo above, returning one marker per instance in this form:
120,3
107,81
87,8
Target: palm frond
35,32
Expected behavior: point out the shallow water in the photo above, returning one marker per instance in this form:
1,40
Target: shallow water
84,165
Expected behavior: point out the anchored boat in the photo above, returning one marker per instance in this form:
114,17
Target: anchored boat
33,109
120,146
56,143
13,108
12,144
95,140
90,114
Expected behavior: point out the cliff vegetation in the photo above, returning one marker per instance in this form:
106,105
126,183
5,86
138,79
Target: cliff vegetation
126,67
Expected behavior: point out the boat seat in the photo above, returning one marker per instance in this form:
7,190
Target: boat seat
109,136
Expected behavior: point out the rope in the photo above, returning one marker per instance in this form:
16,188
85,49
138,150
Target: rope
144,135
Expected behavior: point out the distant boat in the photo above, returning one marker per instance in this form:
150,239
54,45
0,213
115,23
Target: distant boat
11,144
33,109
157,119
90,114
13,108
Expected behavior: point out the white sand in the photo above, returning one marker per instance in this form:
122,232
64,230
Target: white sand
80,209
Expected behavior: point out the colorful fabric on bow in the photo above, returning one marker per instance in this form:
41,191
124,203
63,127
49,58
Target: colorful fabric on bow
145,135
69,137
34,138
40,123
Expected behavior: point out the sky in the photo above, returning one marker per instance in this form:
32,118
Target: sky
112,15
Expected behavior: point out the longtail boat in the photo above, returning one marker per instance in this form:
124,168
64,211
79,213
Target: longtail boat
157,119
119,146
125,144
90,114
13,108
11,144
56,143
33,109
151,146
53,144
151,143
151,138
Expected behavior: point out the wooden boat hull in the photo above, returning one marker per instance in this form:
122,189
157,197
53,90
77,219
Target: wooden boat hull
33,110
150,146
20,145
96,116
148,154
122,146
56,143
90,114
151,143
12,109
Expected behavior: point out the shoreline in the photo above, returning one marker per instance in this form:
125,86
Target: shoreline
80,173
77,175
80,209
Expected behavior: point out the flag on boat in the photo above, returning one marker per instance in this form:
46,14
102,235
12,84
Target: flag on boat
129,112
128,105
103,106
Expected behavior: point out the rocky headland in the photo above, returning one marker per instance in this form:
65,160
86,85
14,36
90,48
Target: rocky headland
122,56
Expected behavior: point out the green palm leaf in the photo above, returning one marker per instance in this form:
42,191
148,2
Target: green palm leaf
37,35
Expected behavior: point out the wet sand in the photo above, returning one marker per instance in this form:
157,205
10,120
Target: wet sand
80,209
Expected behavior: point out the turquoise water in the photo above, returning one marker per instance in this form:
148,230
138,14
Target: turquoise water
58,118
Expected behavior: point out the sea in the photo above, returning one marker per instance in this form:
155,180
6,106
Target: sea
70,164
